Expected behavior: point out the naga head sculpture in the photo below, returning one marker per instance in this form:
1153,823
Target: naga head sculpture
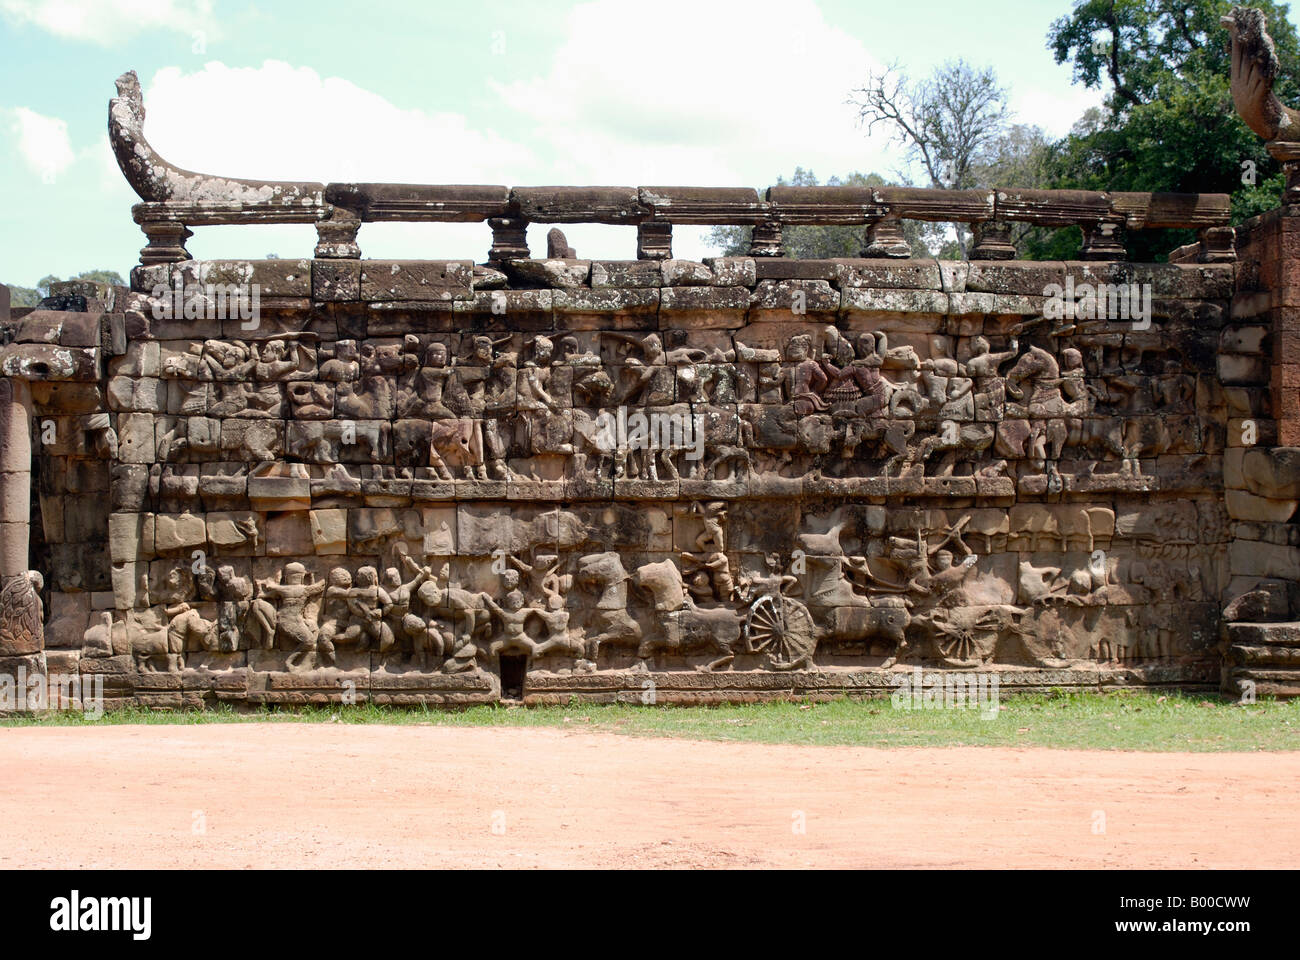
1254,69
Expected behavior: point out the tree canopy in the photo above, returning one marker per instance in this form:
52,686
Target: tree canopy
1168,123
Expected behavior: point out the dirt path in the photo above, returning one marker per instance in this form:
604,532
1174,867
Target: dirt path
285,795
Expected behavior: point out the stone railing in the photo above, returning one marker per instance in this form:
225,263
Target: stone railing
175,200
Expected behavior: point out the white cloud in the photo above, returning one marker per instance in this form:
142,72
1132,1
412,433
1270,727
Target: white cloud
1055,111
43,142
108,22
729,93
279,122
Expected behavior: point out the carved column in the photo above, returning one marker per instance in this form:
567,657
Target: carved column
1103,240
336,237
885,239
654,240
993,241
21,631
166,242
509,239
766,239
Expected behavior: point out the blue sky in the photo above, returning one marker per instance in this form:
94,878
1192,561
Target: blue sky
521,93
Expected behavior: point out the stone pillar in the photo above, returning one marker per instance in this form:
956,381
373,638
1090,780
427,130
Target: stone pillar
766,239
509,239
992,241
885,239
21,630
336,236
654,240
1103,240
166,242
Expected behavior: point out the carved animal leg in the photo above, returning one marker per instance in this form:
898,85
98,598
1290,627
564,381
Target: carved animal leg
723,662
439,465
669,466
801,663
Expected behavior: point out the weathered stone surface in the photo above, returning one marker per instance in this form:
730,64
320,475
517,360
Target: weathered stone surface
417,280
1273,472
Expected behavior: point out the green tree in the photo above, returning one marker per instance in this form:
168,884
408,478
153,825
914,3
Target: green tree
31,296
23,296
958,128
1168,123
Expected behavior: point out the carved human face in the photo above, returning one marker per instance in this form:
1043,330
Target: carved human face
340,578
346,350
797,349
543,349
483,349
295,573
979,346
367,577
436,355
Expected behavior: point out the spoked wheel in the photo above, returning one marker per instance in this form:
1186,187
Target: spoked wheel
783,628
959,644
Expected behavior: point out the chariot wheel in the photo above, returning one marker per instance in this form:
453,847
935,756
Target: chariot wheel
959,645
781,627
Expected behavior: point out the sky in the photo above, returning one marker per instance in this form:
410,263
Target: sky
699,92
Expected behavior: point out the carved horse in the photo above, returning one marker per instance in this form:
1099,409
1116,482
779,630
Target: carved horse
610,620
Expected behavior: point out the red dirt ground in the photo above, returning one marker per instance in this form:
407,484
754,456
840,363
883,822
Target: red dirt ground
290,795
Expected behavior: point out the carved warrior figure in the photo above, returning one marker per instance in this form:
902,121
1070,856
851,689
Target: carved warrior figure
421,391
398,614
292,622
548,425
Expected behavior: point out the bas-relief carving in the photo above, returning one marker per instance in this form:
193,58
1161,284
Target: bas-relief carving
943,499
852,593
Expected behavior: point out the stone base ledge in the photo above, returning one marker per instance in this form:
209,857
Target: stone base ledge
244,688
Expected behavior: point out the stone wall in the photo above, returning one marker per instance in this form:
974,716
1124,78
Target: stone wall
1259,364
403,479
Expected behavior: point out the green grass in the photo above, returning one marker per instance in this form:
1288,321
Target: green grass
1127,720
